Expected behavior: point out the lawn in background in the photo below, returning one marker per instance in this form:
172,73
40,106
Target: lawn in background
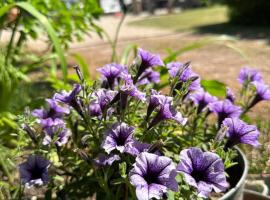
187,20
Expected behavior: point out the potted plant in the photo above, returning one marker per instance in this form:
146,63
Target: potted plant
145,130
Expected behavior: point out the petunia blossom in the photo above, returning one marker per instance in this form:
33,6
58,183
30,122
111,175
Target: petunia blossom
153,176
229,95
201,99
248,75
225,109
54,111
56,132
101,100
148,60
202,170
136,147
185,74
118,137
34,171
70,98
111,73
240,132
167,112
262,92
106,160
129,89
148,76
156,99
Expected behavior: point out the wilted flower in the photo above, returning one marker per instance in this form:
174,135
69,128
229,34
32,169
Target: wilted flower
149,76
229,95
156,99
118,137
147,60
152,175
184,74
55,131
262,93
34,171
201,99
167,112
69,98
103,159
249,75
111,72
240,132
202,170
225,109
54,111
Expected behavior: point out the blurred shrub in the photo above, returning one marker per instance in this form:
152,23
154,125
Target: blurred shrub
249,11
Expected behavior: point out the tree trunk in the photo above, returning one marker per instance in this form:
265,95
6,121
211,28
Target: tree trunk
170,6
136,6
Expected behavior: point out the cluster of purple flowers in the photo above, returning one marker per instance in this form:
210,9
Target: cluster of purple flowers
152,173
52,123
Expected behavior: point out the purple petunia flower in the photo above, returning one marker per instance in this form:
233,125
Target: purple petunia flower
118,137
184,74
110,74
225,109
262,93
202,170
95,110
54,111
136,147
201,99
34,171
69,98
148,76
152,175
229,95
129,89
249,75
103,159
167,112
156,99
148,60
55,131
240,132
102,98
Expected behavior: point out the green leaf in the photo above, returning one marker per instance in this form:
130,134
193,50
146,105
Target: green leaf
47,25
195,45
123,169
130,48
171,195
214,87
173,55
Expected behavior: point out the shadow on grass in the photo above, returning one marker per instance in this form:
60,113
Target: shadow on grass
243,32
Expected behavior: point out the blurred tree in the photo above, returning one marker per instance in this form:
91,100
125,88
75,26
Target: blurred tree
249,11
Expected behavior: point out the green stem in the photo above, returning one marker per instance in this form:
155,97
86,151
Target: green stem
9,48
2,163
114,44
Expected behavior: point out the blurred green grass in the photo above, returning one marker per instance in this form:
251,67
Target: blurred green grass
187,20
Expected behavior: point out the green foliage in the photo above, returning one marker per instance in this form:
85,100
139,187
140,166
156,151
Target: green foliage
214,87
249,11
